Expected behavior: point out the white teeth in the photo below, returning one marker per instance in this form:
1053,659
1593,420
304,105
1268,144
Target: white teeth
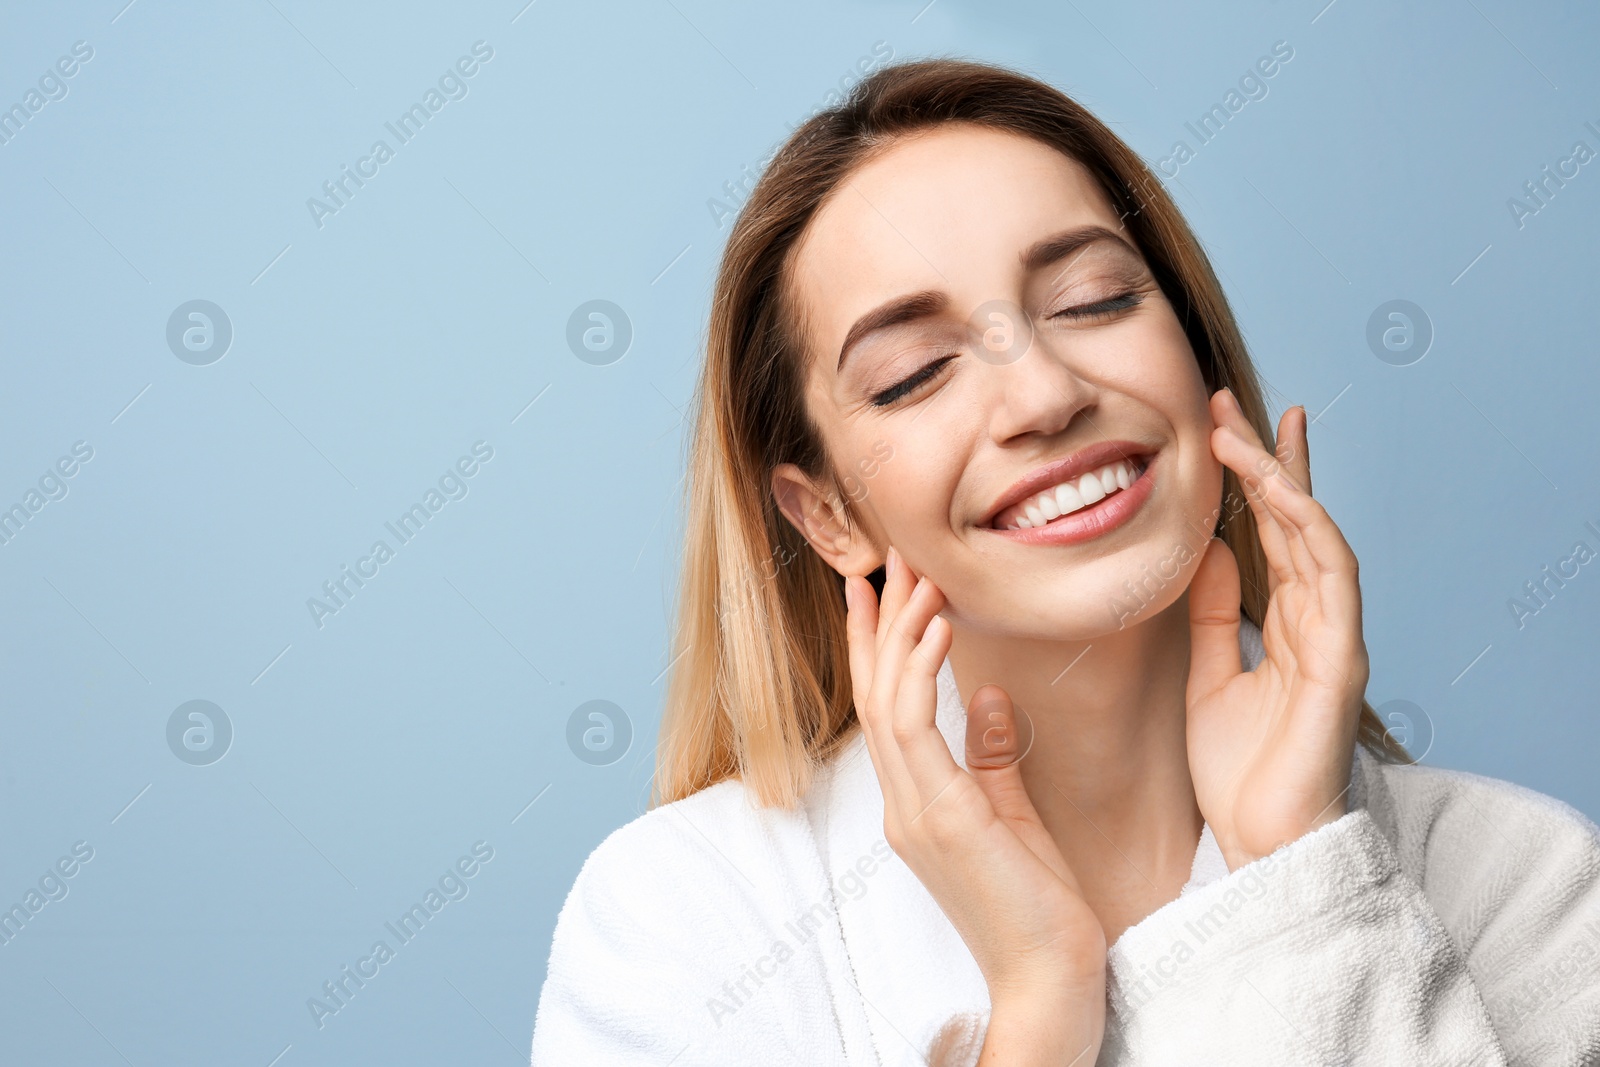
1068,497
1090,488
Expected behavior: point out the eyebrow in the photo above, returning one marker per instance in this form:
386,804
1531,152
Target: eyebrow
930,302
927,303
1058,246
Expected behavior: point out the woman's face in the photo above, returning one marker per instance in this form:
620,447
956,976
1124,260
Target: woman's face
982,335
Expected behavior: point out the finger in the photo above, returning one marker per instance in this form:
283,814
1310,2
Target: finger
1214,658
1285,463
1318,554
1266,475
898,583
1297,514
1290,462
1294,449
1317,550
1336,580
1227,411
861,632
1293,483
998,737
1279,499
928,761
861,628
995,747
1324,542
1233,452
899,638
1292,514
890,672
1254,463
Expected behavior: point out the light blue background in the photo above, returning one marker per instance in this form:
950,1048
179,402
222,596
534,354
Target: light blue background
369,354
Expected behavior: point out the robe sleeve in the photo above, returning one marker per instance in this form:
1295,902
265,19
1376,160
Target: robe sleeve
1329,951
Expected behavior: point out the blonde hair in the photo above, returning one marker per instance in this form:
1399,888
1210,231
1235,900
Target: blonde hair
760,689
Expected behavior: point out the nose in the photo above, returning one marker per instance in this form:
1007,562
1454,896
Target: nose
1036,393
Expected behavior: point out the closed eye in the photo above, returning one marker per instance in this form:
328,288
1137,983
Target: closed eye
906,386
1103,307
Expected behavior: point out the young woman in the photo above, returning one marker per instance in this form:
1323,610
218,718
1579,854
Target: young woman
1087,774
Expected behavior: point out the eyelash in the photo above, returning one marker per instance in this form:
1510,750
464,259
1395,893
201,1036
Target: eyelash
1120,302
907,386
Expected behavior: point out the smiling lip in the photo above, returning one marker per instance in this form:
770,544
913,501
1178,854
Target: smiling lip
1088,522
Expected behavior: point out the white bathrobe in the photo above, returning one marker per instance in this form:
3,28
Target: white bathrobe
1448,918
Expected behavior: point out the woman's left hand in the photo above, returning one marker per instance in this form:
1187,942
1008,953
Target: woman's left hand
1270,749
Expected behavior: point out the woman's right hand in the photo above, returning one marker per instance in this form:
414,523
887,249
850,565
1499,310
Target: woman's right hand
973,837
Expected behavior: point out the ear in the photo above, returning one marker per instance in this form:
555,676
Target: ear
820,517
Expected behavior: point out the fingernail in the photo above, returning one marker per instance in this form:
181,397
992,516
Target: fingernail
891,562
850,594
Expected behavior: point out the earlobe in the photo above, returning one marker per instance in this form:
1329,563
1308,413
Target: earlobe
821,520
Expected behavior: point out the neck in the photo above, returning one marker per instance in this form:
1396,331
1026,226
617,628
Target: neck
1108,767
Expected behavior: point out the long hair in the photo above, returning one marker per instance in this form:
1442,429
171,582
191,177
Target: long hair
760,685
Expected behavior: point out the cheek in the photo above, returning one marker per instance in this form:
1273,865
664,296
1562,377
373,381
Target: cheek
1190,414
901,474
901,481
1165,377
1204,502
1197,478
1167,372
